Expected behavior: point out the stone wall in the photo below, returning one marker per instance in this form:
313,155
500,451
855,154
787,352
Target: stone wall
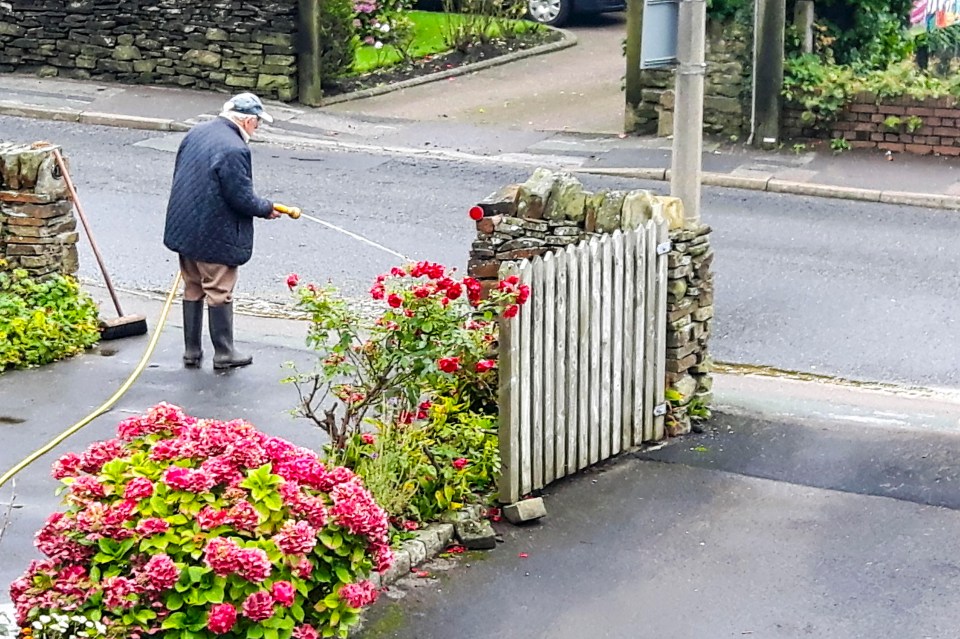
37,226
899,125
727,87
689,320
552,210
230,45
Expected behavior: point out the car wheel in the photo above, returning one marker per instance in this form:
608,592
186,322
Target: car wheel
552,12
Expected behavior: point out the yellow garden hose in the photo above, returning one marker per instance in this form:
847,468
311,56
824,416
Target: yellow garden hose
107,405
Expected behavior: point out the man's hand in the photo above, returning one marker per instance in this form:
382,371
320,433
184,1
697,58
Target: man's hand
274,214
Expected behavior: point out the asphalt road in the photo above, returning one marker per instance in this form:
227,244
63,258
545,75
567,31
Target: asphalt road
859,290
755,529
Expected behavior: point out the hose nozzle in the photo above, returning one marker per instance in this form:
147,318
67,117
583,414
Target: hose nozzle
291,211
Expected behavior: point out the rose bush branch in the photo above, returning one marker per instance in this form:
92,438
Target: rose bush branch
433,329
408,397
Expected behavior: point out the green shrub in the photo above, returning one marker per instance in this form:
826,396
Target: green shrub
337,38
43,321
868,33
824,90
418,471
728,9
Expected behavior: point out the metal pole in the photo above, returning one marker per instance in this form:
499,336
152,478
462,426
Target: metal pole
686,166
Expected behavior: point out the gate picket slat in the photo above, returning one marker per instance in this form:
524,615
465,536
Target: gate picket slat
649,348
660,318
536,370
629,285
595,353
526,404
583,347
606,364
616,346
573,356
509,400
549,340
560,368
639,335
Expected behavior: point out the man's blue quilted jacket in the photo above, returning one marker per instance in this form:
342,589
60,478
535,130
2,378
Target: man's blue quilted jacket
212,202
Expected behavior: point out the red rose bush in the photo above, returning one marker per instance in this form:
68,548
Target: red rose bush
193,528
420,373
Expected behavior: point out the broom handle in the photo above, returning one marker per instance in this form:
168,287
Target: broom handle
86,227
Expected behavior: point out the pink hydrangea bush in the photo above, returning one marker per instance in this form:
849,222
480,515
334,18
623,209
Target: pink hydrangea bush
195,528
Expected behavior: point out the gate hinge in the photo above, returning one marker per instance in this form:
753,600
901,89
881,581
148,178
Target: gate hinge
660,410
664,247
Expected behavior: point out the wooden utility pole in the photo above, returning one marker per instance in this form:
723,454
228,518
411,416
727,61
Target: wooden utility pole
309,88
633,84
768,71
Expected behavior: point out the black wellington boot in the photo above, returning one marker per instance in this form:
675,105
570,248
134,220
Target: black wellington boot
221,332
192,333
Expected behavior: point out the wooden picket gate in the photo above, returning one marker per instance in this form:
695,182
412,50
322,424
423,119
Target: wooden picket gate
582,366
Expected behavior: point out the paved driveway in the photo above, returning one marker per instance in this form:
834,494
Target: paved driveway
575,89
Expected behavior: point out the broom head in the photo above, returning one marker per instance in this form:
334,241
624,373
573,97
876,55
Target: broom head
126,326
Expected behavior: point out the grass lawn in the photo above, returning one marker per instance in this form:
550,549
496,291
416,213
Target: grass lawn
429,29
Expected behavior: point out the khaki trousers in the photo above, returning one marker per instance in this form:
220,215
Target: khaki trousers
215,282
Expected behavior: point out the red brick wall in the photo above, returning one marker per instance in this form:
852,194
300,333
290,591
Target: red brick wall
862,124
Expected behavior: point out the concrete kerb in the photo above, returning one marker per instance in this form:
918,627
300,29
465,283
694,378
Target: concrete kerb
773,185
569,39
90,117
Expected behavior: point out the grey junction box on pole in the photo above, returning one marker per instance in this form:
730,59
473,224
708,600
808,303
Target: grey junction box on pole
658,44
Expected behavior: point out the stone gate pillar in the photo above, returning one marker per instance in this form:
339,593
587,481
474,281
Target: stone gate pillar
37,224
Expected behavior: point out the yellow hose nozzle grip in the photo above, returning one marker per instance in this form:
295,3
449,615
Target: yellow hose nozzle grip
292,211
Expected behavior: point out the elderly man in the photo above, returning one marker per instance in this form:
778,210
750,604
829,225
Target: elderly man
210,224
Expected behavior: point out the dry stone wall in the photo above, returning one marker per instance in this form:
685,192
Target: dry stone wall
37,226
227,44
552,210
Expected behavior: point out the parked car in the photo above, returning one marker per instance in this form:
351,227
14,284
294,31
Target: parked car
556,12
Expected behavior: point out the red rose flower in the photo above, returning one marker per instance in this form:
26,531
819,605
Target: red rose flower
511,311
460,463
524,294
292,280
395,300
485,364
449,364
454,291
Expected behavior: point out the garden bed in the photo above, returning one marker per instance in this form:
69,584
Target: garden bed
432,55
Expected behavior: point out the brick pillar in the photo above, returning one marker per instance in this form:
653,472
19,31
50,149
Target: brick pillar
37,225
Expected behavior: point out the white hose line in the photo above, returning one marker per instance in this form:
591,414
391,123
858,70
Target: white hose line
356,237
